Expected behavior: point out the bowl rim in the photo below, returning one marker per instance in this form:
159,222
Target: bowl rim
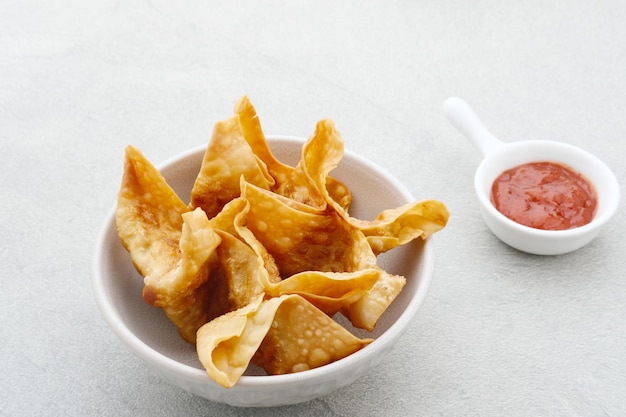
611,198
250,382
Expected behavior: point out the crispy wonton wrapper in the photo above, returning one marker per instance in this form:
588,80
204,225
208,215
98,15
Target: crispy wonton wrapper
290,181
249,271
148,216
302,241
170,246
392,227
281,334
227,158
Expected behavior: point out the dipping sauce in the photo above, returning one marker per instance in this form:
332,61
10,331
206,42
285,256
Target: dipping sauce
544,195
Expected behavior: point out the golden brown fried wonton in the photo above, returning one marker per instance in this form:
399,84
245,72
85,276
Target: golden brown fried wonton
227,158
302,241
392,227
280,334
290,182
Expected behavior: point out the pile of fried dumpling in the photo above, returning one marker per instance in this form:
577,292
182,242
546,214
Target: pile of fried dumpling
254,267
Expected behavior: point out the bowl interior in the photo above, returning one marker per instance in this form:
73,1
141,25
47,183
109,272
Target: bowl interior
517,153
146,329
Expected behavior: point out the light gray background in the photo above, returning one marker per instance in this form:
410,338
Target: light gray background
500,333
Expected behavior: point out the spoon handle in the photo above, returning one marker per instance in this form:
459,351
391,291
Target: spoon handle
461,115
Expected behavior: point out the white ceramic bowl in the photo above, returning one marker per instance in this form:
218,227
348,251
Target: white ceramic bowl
149,335
499,156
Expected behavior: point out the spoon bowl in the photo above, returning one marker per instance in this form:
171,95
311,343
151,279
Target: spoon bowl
499,156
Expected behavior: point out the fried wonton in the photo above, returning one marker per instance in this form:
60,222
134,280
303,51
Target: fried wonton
227,158
243,269
392,227
246,272
148,216
177,251
233,219
281,334
290,182
250,270
184,291
170,246
302,241
396,227
302,337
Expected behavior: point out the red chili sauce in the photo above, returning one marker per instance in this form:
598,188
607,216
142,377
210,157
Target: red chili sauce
544,195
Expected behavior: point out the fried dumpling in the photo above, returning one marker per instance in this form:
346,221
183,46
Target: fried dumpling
301,241
243,270
227,158
171,247
183,292
392,227
302,337
253,134
148,216
249,269
280,334
398,226
233,219
290,182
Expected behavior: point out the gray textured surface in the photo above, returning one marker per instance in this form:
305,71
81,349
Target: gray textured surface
501,332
